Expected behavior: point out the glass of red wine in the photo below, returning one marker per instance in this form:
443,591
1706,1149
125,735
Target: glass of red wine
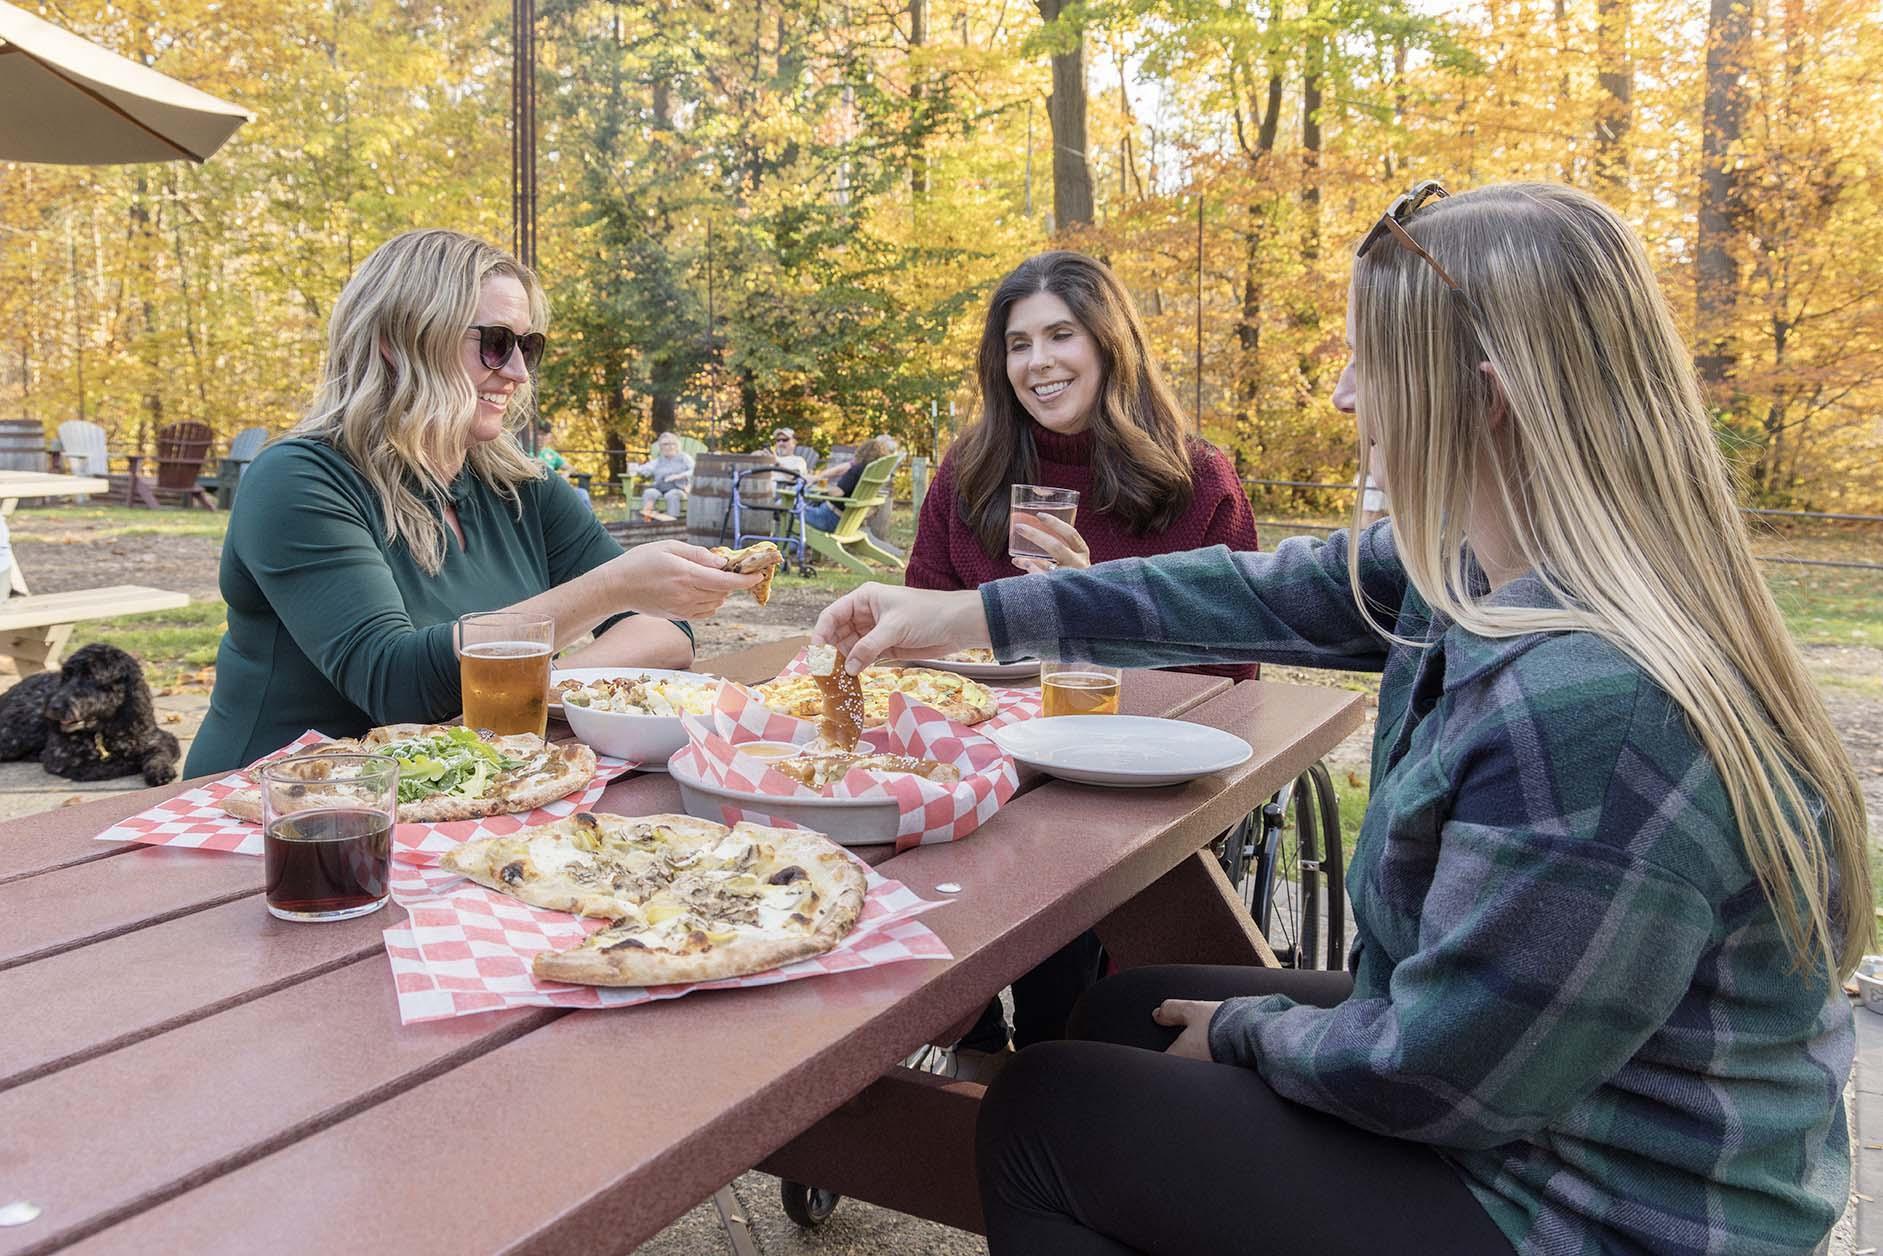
327,837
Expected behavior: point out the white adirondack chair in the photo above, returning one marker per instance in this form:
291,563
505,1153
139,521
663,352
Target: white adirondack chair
82,447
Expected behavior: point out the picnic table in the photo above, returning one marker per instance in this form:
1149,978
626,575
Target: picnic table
34,628
179,1071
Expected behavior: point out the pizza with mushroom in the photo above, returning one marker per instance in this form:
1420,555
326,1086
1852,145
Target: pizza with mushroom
689,900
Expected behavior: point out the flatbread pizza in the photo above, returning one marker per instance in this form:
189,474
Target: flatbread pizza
690,900
447,772
762,557
960,699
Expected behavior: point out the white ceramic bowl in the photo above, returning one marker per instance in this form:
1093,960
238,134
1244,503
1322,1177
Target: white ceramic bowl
649,740
845,821
1872,988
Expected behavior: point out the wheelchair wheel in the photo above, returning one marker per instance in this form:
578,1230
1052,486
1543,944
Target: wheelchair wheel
1291,876
808,1206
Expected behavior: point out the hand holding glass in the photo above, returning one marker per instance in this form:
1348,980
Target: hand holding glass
327,835
1035,499
503,670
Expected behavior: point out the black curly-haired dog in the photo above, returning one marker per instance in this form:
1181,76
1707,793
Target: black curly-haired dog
89,721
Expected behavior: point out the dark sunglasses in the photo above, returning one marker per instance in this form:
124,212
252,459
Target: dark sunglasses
496,344
1391,224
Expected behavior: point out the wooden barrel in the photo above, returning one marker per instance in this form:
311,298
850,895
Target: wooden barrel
22,445
711,495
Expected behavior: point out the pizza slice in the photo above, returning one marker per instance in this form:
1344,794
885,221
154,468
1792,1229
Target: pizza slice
602,865
762,557
448,772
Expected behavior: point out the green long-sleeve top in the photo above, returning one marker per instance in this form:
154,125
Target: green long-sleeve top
333,628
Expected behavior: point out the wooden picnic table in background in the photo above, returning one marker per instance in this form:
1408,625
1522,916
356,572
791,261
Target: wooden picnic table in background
182,1072
34,629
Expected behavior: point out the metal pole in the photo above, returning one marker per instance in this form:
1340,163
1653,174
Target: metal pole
523,131
1197,418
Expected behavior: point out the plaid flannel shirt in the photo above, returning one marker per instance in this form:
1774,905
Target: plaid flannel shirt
1566,978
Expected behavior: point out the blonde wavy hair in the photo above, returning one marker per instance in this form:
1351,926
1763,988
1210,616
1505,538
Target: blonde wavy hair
1617,497
394,396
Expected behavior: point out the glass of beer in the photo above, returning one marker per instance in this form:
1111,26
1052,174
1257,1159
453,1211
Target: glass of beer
327,835
503,667
1079,688
1035,499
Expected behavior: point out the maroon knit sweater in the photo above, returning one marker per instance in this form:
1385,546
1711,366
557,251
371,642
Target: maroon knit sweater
948,554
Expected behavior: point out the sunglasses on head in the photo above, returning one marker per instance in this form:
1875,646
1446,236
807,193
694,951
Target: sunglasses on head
496,344
1391,226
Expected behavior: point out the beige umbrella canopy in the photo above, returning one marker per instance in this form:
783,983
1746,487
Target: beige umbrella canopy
67,101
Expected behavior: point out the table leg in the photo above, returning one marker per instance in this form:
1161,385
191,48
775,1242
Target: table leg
732,1217
906,1142
36,649
16,579
1190,915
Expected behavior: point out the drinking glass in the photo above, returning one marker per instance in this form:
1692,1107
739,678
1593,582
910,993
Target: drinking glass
327,835
503,668
1035,499
1079,688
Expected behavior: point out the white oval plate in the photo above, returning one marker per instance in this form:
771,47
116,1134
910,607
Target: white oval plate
1025,671
1128,750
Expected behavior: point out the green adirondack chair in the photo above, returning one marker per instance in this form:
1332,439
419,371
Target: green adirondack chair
850,538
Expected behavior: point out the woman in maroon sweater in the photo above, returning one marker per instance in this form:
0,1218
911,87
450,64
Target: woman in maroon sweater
1070,398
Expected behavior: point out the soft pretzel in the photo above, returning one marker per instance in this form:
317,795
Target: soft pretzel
843,717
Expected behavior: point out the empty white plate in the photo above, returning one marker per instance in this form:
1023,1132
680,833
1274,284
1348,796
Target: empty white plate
1129,750
1024,672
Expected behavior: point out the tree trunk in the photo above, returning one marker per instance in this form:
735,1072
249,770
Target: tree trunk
918,37
1072,177
1716,270
1614,108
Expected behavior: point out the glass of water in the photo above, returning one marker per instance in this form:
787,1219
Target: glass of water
1029,501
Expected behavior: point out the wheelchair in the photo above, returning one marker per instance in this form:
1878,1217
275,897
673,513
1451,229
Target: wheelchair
1292,878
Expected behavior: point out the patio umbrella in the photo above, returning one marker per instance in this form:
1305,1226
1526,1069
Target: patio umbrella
67,101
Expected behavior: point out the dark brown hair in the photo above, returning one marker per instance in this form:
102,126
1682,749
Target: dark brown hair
1140,460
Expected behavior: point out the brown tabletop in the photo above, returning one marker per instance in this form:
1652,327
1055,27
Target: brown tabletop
179,1071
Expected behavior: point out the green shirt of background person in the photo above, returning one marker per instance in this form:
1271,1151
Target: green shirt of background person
403,500
545,452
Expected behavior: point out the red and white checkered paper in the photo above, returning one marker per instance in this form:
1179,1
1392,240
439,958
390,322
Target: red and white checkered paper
465,949
1011,705
193,820
928,810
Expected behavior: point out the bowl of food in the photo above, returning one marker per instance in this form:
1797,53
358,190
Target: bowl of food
846,821
1869,979
633,713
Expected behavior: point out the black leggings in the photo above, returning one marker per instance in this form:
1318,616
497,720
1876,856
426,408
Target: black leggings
1109,1147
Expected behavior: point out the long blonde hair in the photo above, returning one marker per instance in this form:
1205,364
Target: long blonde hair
393,395
1616,495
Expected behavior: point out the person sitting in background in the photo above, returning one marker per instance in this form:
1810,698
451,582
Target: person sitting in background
670,474
549,457
784,451
1070,398
822,515
1614,865
1373,504
403,500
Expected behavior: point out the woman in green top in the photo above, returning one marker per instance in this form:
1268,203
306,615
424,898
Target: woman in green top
402,501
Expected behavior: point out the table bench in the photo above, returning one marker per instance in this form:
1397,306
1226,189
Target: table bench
34,628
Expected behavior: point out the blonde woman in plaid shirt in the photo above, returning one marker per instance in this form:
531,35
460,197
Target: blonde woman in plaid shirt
1613,867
